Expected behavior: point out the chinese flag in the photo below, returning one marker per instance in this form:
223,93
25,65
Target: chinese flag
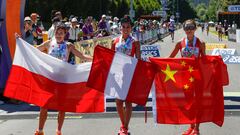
211,100
188,91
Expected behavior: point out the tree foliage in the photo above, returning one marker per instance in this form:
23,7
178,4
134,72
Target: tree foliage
93,8
212,8
201,10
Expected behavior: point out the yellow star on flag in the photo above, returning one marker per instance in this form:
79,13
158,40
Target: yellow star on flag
186,87
191,79
183,63
190,69
169,74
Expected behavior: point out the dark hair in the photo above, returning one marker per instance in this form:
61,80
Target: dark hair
53,13
189,21
55,19
61,25
126,19
58,13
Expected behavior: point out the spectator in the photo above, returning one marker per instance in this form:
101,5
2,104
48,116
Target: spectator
225,26
102,33
30,32
51,31
234,25
68,25
73,31
53,13
39,33
115,26
37,24
59,15
108,23
81,23
94,24
34,19
88,29
102,23
73,37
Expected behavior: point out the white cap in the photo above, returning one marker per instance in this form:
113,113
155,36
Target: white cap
103,15
27,18
74,20
68,24
115,18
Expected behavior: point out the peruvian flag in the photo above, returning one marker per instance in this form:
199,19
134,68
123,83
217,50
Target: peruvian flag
40,79
121,76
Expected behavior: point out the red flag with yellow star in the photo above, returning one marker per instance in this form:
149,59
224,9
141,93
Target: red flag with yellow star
181,93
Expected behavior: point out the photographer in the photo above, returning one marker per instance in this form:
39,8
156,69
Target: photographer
30,32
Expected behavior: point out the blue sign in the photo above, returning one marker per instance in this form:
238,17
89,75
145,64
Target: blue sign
231,59
220,51
229,56
150,51
234,8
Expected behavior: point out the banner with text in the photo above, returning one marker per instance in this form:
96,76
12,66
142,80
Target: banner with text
229,56
150,51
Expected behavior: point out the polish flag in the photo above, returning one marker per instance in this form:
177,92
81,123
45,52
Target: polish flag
121,76
45,81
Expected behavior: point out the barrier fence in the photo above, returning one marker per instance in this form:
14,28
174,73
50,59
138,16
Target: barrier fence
87,46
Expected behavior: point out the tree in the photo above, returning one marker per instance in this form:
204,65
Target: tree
216,6
201,10
186,11
94,8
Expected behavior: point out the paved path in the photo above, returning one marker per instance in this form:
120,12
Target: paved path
107,124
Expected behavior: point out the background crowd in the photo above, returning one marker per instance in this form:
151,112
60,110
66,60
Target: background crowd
84,28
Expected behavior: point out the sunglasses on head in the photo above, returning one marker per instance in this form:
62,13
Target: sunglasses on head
189,27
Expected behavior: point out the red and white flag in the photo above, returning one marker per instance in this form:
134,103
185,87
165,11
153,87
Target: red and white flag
121,76
40,79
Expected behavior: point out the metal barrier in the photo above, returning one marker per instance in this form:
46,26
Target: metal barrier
147,36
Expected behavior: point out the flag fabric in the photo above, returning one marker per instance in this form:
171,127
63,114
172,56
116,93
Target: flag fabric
189,91
121,76
214,77
48,82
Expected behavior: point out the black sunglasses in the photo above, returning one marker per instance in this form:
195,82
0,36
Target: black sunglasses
189,27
